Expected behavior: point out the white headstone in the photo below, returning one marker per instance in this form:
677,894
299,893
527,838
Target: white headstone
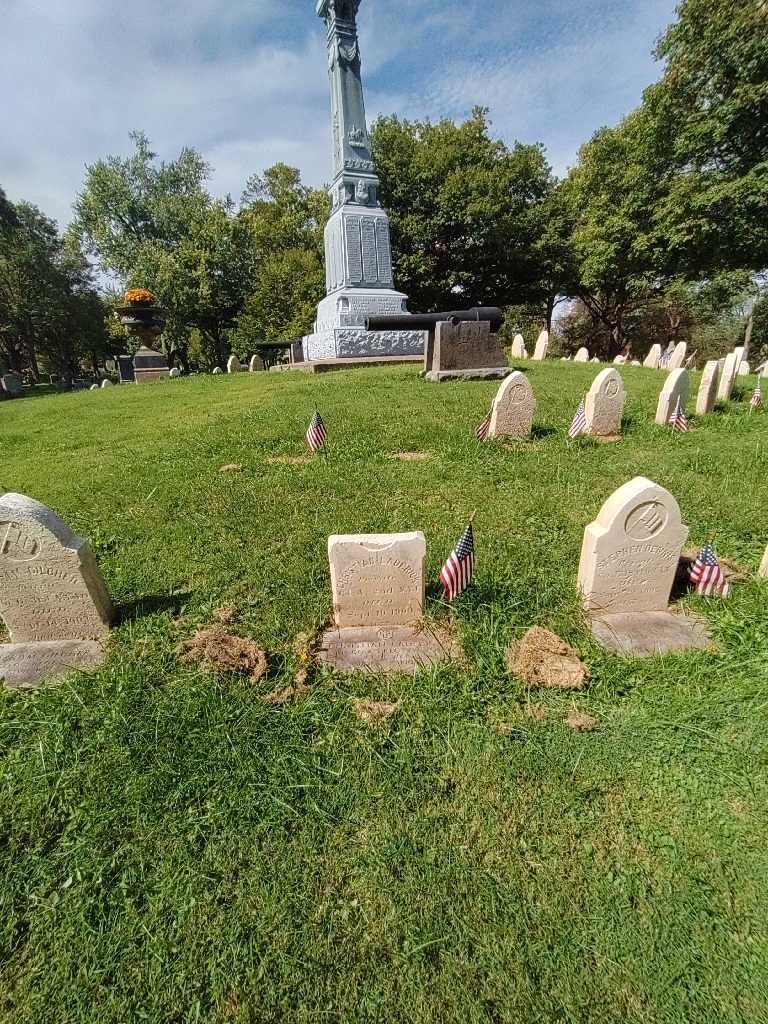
764,565
217,369
518,348
233,365
676,388
256,363
594,359
619,360
744,370
50,585
94,387
604,405
582,356
106,383
513,408
636,362
707,396
678,356
542,346
174,372
727,377
631,552
377,579
653,357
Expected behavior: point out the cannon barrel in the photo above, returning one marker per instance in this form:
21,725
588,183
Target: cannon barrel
427,321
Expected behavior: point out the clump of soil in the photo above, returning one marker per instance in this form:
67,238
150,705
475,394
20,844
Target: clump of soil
373,713
410,456
580,722
232,467
289,460
225,615
542,659
223,652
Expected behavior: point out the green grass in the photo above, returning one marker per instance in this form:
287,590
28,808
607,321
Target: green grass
175,850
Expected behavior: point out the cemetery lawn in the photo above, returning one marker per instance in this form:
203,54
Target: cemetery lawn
174,849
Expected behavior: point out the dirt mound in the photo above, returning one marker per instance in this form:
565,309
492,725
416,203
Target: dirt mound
223,652
232,467
410,456
542,659
374,714
580,722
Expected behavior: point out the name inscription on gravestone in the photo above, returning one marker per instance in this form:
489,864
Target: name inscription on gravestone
377,579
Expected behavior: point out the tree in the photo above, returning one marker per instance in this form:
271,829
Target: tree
466,211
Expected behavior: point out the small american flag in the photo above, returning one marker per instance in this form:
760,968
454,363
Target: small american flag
678,420
706,574
579,424
317,435
666,356
757,397
457,572
484,429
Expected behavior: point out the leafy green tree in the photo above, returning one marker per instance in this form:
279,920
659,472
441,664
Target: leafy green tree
466,212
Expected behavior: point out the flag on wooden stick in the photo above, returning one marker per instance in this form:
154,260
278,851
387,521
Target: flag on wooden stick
317,435
757,398
706,575
678,420
456,574
579,423
484,429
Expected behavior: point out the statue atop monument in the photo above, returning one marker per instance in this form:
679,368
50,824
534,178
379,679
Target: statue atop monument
358,255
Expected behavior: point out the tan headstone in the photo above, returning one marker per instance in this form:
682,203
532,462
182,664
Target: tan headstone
604,405
631,552
50,585
653,357
518,348
233,365
377,579
727,377
676,388
217,370
256,364
619,360
582,356
513,408
466,346
764,565
678,356
107,384
707,396
744,369
542,346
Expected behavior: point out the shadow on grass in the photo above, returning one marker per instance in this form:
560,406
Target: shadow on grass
152,605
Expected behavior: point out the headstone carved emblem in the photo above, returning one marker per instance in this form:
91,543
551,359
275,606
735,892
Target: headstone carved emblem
646,521
17,545
361,192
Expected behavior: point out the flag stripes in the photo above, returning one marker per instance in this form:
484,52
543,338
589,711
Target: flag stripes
317,435
706,575
457,572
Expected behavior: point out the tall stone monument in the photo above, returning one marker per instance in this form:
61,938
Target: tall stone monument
358,255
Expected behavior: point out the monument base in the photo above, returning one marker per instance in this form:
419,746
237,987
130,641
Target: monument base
24,666
481,373
356,343
391,649
642,634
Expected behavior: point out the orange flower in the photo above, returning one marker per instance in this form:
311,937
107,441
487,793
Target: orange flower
139,297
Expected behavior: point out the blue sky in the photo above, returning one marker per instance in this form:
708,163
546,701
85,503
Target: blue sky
245,81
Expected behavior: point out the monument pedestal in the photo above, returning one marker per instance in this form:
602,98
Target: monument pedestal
356,343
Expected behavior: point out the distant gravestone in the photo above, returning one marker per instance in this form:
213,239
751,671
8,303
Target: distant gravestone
542,347
764,565
677,360
619,360
149,366
513,408
604,405
676,389
378,586
233,365
594,359
256,364
744,369
126,369
631,551
653,358
106,383
217,369
636,362
174,372
582,356
707,396
466,350
94,387
11,384
51,594
727,377
518,348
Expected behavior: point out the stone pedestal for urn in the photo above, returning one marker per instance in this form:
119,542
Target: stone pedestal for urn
145,323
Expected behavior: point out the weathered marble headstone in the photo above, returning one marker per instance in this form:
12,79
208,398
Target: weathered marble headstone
619,360
727,377
12,384
518,348
604,405
707,396
676,388
744,370
594,359
653,357
51,591
582,356
542,347
763,571
466,350
256,364
217,370
174,372
233,365
513,408
94,387
678,356
636,362
106,383
378,589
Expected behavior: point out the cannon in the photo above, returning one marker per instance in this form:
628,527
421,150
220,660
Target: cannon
428,321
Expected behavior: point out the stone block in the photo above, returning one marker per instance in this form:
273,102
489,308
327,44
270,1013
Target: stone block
395,649
466,346
377,579
707,395
676,388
